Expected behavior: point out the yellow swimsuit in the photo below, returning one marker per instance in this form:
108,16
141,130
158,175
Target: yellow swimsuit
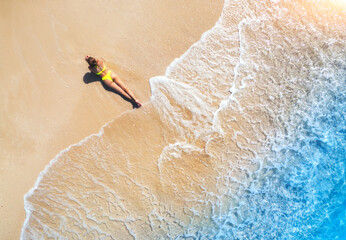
107,76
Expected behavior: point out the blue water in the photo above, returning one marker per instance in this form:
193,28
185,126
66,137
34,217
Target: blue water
303,193
305,198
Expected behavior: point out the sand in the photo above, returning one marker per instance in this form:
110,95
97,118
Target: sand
50,101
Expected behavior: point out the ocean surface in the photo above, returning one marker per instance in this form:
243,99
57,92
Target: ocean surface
244,138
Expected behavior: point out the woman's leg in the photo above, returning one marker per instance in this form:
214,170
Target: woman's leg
120,83
118,89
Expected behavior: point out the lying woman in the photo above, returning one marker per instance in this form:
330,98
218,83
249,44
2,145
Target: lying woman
111,79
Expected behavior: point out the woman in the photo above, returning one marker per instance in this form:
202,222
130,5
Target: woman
111,79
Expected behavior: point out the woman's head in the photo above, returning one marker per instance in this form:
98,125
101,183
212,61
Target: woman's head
91,60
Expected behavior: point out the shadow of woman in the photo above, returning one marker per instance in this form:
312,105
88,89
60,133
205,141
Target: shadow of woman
90,77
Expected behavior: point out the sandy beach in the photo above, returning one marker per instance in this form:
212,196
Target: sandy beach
50,101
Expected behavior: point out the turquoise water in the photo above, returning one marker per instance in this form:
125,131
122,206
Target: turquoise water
299,191
304,197
252,141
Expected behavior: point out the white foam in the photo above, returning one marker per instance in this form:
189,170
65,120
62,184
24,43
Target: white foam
27,206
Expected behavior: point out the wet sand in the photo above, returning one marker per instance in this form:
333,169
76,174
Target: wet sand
49,100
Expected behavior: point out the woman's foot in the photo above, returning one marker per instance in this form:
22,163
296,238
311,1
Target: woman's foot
137,104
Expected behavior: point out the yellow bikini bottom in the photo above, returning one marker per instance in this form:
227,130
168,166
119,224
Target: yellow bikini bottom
108,76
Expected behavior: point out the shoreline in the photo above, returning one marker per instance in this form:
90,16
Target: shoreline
55,108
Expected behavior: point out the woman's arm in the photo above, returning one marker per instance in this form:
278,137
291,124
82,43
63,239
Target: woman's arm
92,69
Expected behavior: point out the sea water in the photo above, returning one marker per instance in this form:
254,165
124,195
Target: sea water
244,138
